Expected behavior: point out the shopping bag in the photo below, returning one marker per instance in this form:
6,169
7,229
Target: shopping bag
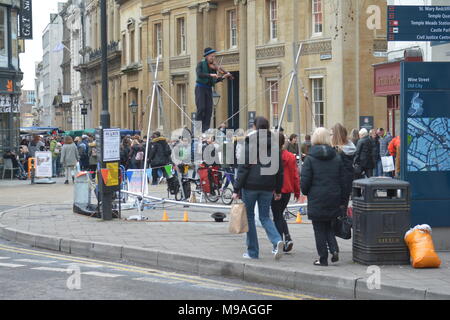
421,247
343,227
388,164
238,219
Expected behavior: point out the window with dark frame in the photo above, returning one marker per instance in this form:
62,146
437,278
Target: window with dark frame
318,102
158,45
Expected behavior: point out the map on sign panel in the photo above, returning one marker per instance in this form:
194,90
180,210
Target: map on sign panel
428,144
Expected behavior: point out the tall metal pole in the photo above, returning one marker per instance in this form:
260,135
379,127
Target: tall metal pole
105,118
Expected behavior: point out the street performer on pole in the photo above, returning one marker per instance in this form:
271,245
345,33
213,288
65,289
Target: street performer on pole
207,77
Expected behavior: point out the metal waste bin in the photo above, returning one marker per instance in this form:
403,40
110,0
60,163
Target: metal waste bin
381,217
82,197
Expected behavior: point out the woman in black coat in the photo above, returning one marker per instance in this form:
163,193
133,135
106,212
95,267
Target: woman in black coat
364,154
322,181
159,156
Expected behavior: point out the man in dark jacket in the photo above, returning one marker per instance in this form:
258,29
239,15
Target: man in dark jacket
364,155
375,140
322,181
258,186
159,155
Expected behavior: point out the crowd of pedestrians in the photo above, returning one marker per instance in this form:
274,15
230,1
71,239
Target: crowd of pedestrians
322,167
330,161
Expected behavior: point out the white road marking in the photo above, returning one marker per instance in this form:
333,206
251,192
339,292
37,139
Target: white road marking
156,280
82,265
35,261
11,265
101,274
4,258
51,269
216,287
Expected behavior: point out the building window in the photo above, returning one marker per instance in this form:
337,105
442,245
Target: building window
141,47
160,104
4,37
273,17
158,45
14,39
318,104
182,102
181,36
132,46
232,29
124,49
273,86
317,17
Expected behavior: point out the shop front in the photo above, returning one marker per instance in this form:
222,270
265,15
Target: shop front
10,77
387,84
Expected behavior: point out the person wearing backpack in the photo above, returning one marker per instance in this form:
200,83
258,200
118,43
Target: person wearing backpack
136,155
93,158
83,151
159,155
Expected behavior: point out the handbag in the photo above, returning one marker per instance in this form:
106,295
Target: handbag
343,227
238,219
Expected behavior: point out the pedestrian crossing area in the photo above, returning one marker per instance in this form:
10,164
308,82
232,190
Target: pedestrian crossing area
52,265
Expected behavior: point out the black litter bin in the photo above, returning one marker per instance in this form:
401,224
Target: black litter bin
381,217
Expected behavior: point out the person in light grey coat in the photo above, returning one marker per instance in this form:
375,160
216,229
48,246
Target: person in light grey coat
69,157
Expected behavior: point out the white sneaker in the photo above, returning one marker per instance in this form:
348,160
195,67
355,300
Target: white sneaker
278,252
246,256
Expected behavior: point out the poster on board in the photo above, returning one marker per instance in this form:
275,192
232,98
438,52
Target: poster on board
44,168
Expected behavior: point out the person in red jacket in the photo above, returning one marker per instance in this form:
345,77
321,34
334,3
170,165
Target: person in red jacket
393,145
291,184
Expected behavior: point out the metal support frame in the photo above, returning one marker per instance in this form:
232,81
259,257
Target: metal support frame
294,76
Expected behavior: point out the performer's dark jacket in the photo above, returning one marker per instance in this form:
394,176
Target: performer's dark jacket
203,75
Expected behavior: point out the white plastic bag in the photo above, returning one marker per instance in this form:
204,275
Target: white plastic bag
388,164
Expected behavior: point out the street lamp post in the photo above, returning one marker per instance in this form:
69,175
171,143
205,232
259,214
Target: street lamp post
134,109
216,99
84,112
105,118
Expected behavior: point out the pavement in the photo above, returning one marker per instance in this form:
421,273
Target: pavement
41,216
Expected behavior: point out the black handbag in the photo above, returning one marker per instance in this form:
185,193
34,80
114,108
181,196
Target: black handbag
343,227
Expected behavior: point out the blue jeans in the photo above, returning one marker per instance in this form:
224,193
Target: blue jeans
379,169
264,199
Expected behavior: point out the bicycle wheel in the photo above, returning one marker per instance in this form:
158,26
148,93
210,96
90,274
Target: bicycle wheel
227,196
212,196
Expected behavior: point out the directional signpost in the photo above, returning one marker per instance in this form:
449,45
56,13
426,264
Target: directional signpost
425,140
418,23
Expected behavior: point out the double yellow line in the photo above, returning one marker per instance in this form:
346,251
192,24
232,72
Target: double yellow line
197,280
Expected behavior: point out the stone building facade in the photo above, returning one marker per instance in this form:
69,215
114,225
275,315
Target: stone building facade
257,42
10,76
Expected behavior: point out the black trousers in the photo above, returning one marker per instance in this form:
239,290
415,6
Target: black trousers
278,208
325,239
155,175
204,102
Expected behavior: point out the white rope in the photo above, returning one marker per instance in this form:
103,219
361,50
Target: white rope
257,96
170,97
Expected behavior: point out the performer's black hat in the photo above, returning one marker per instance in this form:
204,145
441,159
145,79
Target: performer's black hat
208,51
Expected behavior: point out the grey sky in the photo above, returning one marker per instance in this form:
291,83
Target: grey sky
33,48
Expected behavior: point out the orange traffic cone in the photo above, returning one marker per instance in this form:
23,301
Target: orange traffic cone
299,218
186,217
165,216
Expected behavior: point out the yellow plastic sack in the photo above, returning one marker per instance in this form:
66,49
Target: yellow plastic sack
421,248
